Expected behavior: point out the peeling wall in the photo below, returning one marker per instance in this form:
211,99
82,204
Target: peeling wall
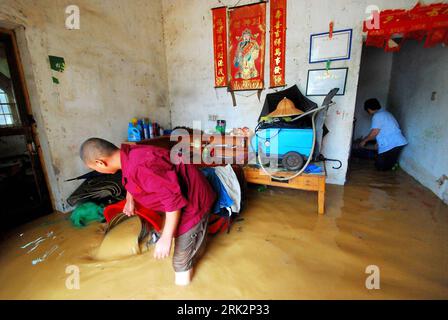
188,39
115,69
417,72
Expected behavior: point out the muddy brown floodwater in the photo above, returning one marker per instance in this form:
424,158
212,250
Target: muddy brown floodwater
281,250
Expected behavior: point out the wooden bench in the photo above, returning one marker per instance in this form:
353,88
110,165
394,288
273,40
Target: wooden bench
308,182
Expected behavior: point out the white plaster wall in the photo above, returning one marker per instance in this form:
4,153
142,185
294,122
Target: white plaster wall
188,39
416,73
116,69
374,81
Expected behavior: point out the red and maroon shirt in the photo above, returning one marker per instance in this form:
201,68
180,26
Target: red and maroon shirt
158,184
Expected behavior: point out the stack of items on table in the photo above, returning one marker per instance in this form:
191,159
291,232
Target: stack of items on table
102,197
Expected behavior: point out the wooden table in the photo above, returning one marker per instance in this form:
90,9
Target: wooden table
222,148
308,182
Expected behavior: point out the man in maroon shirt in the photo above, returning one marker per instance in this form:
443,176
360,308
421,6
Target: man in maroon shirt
152,180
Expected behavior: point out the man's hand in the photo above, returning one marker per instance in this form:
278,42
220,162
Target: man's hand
163,247
372,136
362,144
129,207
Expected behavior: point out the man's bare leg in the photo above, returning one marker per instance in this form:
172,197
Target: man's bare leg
183,278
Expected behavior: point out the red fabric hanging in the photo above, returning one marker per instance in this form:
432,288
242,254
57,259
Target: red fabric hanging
430,21
436,37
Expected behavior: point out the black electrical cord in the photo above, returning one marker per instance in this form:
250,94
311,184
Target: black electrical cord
322,158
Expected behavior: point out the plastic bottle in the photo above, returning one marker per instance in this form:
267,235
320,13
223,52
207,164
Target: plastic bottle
146,129
154,129
133,133
151,130
141,128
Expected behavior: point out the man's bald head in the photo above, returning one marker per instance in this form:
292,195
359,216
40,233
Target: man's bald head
96,148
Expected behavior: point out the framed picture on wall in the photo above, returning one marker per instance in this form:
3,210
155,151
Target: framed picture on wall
323,49
321,81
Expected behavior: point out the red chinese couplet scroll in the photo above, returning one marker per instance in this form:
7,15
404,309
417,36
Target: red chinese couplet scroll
247,43
220,46
278,43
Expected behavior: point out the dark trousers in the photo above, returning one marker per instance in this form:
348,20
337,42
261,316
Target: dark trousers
386,160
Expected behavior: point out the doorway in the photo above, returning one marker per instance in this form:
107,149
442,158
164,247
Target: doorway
374,82
411,85
24,192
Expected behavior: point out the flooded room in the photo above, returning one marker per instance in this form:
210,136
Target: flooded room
222,150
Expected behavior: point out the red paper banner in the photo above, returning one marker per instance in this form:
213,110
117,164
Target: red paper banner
220,46
278,43
430,21
247,40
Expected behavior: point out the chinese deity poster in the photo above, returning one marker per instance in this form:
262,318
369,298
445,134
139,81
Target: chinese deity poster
247,41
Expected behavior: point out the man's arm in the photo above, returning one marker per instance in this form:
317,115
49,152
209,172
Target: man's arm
129,207
163,246
372,136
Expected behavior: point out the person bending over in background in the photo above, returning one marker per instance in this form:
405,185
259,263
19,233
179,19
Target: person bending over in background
151,179
386,130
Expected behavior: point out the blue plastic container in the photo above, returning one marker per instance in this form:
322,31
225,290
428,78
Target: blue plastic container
278,142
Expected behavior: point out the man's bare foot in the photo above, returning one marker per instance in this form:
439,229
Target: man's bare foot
183,278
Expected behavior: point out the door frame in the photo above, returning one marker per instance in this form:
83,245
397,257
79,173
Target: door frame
26,112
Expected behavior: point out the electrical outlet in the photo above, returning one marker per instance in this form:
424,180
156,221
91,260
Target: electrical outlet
434,96
442,180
